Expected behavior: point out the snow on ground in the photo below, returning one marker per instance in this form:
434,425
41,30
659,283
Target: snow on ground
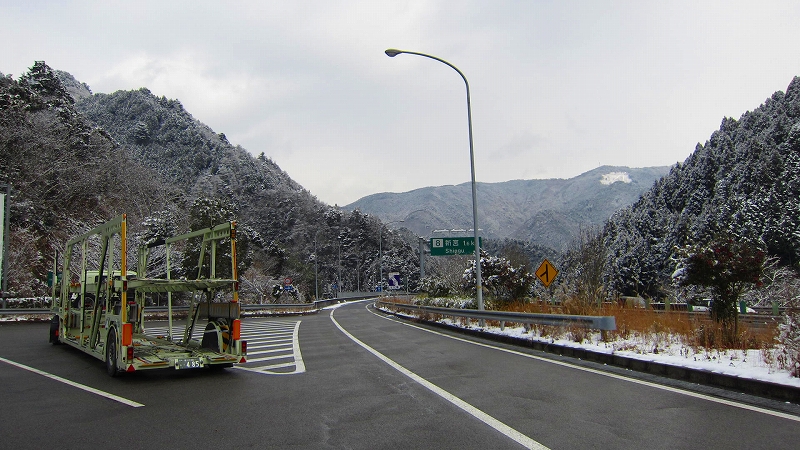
751,364
25,318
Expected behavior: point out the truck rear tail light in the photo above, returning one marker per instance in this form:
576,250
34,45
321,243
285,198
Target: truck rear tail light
130,354
236,332
127,334
244,347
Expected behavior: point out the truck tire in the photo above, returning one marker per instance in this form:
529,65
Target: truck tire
54,325
111,353
217,336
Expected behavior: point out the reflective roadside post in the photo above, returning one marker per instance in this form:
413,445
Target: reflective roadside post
478,281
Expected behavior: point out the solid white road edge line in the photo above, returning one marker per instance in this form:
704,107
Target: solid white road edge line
74,384
300,366
466,407
606,374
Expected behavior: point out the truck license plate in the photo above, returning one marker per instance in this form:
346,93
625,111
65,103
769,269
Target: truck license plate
189,363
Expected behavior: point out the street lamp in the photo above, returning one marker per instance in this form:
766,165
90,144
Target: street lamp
316,273
5,220
356,260
478,289
380,250
421,247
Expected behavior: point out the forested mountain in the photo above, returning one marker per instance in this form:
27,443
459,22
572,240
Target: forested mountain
76,159
65,174
744,183
547,213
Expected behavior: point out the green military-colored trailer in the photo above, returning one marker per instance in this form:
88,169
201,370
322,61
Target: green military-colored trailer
98,306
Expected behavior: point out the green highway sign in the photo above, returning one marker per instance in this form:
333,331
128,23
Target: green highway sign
449,246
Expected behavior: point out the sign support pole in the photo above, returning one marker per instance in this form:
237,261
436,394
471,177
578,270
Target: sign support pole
6,219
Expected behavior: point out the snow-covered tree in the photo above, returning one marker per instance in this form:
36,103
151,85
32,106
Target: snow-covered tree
743,182
789,337
500,279
582,266
727,268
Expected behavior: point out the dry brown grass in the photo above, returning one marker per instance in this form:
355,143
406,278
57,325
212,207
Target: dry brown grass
399,299
695,330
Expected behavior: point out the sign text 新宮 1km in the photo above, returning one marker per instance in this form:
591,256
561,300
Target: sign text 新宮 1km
453,246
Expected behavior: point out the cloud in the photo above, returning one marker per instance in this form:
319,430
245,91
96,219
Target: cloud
556,88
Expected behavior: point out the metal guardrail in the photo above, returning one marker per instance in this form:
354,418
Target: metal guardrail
21,311
603,323
252,308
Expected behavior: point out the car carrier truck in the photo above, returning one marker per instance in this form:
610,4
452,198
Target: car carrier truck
98,304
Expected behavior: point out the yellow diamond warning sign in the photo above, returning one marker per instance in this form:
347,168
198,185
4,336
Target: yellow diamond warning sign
546,273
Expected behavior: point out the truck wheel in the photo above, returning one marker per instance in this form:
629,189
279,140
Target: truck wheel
217,336
111,353
54,325
211,336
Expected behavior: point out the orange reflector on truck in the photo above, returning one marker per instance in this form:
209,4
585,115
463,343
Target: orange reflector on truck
127,334
236,332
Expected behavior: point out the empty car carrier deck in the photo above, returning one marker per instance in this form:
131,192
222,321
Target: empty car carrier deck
103,315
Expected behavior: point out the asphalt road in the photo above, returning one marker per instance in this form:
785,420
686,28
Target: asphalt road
353,378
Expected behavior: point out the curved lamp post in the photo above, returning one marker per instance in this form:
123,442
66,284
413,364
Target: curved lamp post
316,273
5,220
478,289
421,247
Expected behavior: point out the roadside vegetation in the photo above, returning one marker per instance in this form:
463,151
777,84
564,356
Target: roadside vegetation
728,275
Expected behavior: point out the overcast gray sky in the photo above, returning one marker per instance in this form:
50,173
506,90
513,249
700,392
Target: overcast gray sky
557,87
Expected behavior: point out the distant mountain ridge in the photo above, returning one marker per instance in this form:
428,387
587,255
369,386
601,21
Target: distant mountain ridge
544,212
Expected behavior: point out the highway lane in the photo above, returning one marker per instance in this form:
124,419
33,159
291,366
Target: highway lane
568,407
347,397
